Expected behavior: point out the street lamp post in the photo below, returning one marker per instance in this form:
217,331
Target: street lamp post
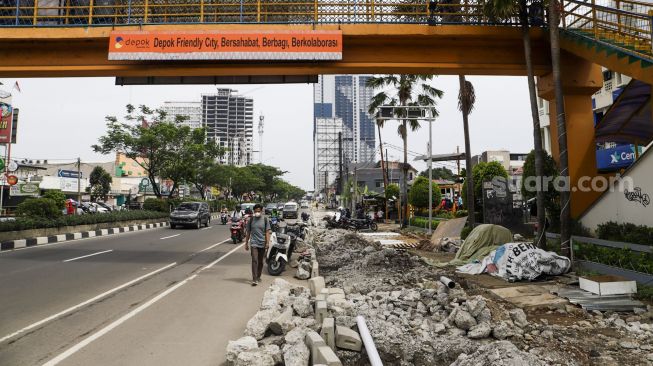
417,112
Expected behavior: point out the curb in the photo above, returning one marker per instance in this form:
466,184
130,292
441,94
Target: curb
41,240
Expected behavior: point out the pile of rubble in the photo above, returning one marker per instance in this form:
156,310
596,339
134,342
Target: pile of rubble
415,319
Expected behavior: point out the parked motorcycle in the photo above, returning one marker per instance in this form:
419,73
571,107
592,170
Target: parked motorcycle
224,218
237,230
362,224
281,248
305,217
298,229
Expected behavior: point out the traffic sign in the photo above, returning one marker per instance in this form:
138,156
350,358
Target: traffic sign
12,180
69,173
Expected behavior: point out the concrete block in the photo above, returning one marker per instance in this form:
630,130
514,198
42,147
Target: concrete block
279,325
348,339
326,356
320,297
320,311
336,291
313,341
334,297
316,284
328,332
315,269
325,291
41,240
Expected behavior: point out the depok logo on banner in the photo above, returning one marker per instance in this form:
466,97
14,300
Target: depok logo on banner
225,45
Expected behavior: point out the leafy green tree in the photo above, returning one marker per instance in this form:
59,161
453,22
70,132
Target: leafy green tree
268,175
100,183
419,193
484,172
244,181
405,90
439,173
392,190
57,196
145,137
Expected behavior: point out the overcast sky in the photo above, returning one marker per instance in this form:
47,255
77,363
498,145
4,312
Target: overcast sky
61,118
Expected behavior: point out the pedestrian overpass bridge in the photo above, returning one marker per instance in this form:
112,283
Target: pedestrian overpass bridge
65,38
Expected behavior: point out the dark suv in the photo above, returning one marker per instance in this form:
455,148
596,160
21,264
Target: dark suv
194,214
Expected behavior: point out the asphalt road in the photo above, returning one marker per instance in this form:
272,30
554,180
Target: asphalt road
153,297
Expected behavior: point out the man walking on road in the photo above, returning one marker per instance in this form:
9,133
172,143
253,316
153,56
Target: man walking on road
258,236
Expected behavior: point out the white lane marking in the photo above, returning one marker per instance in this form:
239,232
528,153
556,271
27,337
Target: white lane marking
89,301
168,237
212,246
207,228
88,255
72,350
77,241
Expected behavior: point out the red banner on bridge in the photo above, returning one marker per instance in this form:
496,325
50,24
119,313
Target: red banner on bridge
223,45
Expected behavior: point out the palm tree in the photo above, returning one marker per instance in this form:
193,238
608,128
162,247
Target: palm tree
466,100
406,90
506,10
565,204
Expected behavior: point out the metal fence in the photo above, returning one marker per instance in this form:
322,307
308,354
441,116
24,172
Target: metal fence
623,263
625,24
122,12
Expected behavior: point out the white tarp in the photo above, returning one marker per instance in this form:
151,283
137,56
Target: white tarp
519,261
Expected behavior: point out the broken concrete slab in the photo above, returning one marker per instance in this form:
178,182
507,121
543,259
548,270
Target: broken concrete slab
335,290
281,324
234,348
326,356
313,341
316,284
320,311
315,269
328,332
530,296
348,339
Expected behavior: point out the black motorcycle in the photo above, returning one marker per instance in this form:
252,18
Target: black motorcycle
362,224
297,229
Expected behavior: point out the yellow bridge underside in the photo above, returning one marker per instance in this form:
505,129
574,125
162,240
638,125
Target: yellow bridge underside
367,48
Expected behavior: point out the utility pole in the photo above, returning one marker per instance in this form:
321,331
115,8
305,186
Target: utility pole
261,118
79,180
340,182
430,176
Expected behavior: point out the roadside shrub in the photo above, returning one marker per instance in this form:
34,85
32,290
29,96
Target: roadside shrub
156,204
423,222
623,258
39,207
57,196
461,213
28,223
630,233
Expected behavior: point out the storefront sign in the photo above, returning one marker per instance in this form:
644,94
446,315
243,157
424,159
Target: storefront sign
225,45
25,189
6,118
12,180
616,158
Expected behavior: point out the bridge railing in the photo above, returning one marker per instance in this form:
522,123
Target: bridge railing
124,12
626,24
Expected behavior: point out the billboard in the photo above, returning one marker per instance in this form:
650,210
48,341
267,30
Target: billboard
25,189
6,118
225,45
615,158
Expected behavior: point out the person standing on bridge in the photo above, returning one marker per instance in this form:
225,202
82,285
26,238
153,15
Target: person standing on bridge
258,237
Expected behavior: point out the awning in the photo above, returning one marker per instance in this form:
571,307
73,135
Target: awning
629,119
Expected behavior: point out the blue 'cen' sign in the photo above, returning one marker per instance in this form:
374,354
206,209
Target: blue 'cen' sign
616,158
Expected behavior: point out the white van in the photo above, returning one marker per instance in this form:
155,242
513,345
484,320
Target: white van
290,210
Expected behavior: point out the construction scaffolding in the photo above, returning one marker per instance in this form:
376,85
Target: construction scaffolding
329,153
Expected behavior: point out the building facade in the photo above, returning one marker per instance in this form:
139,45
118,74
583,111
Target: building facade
229,121
191,111
326,153
346,99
